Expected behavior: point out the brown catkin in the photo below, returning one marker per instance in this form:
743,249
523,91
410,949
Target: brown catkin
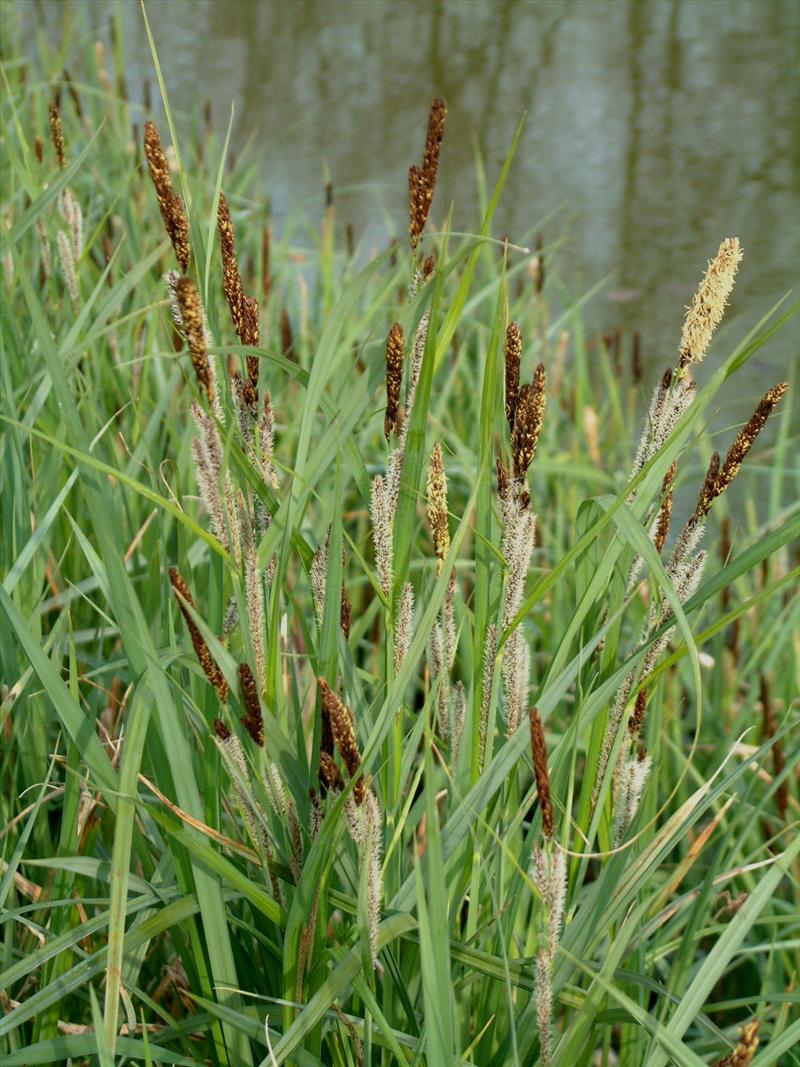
38,148
330,777
57,135
194,329
170,204
326,736
345,613
528,418
206,660
231,279
708,489
221,730
422,180
513,355
252,719
665,511
244,309
746,437
637,719
344,736
539,753
392,422
742,1055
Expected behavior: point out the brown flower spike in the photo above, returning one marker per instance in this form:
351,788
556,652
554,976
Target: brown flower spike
57,135
422,180
392,423
206,660
528,419
665,511
194,329
244,309
170,204
637,719
513,353
344,735
252,719
539,753
718,479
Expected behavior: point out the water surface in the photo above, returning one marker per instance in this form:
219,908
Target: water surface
654,128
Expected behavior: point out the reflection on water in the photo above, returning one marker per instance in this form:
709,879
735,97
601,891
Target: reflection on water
657,128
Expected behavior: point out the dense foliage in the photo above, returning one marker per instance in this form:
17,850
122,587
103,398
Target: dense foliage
523,788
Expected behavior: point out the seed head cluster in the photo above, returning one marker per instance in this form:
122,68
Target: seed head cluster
539,754
719,478
710,301
206,660
57,135
252,719
193,321
528,418
513,354
170,204
344,735
394,380
422,180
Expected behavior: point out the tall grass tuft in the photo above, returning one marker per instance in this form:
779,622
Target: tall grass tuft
369,695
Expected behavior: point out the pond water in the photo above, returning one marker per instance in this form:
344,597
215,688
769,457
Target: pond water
653,129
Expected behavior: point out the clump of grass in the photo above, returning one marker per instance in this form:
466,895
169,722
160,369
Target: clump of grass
286,814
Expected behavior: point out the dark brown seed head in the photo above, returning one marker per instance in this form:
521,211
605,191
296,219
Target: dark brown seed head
330,777
326,736
637,719
204,657
665,511
194,330
231,280
221,730
344,735
170,204
746,437
719,478
428,267
38,148
345,613
513,355
252,719
539,753
708,490
422,180
531,401
394,379
57,136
